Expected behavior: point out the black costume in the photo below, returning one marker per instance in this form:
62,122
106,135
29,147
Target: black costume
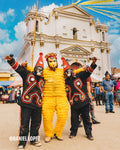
79,100
30,102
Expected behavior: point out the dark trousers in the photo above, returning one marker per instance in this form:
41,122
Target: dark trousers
75,120
32,117
98,97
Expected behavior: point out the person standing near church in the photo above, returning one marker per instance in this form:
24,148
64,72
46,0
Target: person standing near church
118,91
79,100
97,94
30,102
92,111
108,88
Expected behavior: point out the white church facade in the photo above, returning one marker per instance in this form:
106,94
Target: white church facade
71,32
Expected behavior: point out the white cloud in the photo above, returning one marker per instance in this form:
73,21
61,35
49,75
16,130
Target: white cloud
4,15
113,24
24,11
4,67
15,46
112,37
48,9
114,31
45,9
2,18
0,60
115,52
10,12
4,35
20,30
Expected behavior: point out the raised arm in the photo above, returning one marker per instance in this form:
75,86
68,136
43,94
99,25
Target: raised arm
90,69
25,65
84,68
15,65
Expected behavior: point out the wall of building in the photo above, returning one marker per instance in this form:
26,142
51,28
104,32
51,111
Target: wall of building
57,35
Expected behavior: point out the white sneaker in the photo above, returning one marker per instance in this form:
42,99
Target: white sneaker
21,147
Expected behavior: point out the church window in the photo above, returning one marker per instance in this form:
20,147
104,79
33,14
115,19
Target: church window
74,33
103,36
37,29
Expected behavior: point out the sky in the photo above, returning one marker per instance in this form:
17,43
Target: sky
12,26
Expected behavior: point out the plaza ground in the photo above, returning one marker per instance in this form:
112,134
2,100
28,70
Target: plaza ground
106,135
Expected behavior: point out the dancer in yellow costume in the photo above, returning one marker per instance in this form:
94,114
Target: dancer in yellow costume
54,99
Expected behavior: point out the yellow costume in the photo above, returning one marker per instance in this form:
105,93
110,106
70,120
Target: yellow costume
54,97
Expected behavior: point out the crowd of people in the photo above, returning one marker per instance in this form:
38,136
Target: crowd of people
11,94
107,92
48,90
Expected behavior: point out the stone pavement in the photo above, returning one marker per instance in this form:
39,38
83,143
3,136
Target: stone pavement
106,135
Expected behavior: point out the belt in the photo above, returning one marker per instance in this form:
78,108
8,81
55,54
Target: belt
109,90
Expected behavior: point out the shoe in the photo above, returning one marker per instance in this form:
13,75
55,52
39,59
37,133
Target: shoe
107,111
36,143
47,139
21,147
71,136
79,125
90,137
95,122
60,138
111,111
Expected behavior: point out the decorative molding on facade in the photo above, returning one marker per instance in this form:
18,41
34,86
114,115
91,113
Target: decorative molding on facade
57,41
31,15
31,42
108,51
91,22
94,26
65,34
41,18
75,51
102,27
56,15
102,50
88,60
50,17
73,6
73,14
63,11
104,45
92,49
57,45
41,43
80,49
84,36
63,40
67,41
